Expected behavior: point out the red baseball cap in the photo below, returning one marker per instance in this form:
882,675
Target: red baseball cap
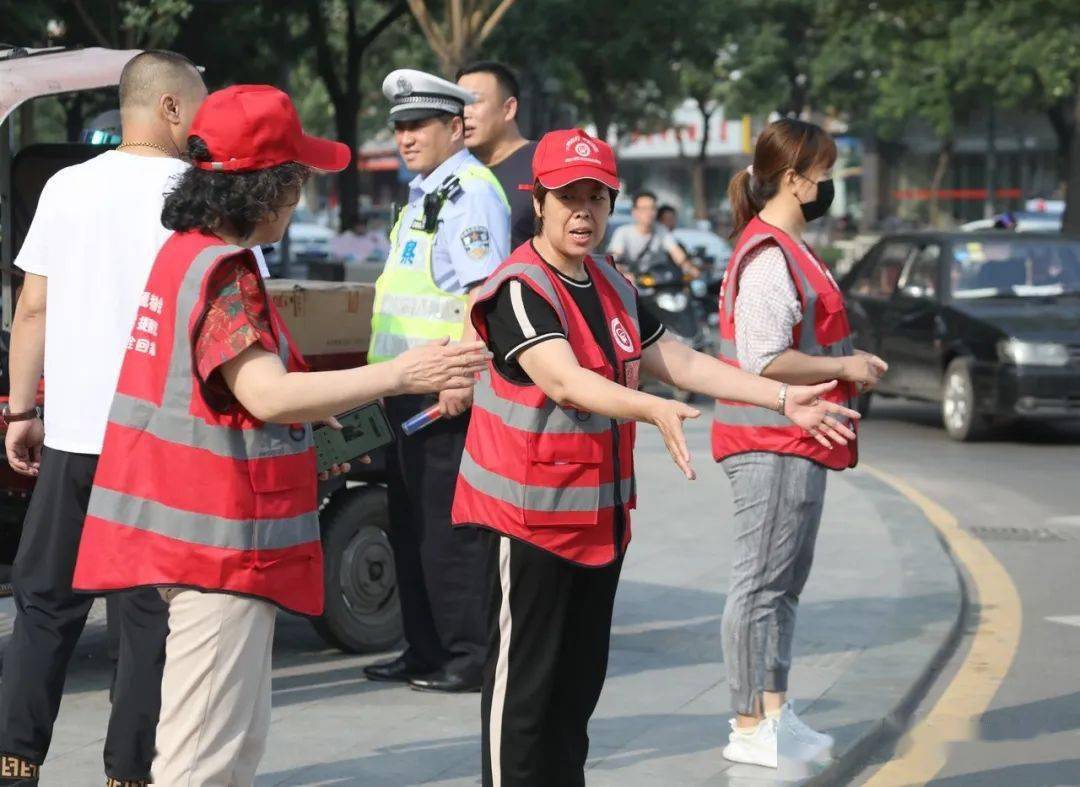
253,127
569,155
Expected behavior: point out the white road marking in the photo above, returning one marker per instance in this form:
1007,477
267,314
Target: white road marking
1068,620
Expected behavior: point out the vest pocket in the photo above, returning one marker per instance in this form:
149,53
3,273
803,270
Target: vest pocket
562,484
832,323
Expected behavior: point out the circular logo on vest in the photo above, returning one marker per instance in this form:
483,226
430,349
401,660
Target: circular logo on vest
297,433
621,337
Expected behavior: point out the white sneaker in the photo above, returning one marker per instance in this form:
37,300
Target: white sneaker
789,725
758,747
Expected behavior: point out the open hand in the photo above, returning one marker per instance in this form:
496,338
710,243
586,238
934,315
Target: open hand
431,367
822,419
23,442
668,417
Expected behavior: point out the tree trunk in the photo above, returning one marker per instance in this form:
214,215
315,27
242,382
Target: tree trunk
348,180
1071,220
701,161
944,159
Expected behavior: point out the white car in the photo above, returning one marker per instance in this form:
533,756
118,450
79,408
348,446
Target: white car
1025,221
309,241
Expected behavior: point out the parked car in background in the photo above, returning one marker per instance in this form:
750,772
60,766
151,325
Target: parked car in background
986,323
1018,221
309,242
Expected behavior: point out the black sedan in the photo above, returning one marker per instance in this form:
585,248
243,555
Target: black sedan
986,323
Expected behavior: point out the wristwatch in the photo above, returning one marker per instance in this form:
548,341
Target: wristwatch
9,417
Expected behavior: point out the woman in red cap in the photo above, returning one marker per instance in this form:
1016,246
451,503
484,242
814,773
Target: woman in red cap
548,464
206,486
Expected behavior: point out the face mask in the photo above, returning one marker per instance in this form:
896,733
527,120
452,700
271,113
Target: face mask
819,206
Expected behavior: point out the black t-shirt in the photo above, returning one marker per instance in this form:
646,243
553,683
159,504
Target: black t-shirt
519,318
513,171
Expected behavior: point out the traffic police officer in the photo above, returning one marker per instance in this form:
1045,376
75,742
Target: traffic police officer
453,233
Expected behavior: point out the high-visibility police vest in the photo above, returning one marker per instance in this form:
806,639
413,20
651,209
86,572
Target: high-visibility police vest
410,308
823,331
184,495
546,474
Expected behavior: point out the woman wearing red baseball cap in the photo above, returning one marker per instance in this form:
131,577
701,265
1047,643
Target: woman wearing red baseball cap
206,486
548,464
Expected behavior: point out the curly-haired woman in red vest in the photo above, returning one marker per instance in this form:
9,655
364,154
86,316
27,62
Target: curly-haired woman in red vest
206,486
548,463
783,317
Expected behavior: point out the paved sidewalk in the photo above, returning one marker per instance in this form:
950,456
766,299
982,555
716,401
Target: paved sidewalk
882,599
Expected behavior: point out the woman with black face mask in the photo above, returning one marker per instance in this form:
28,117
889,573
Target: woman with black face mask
781,316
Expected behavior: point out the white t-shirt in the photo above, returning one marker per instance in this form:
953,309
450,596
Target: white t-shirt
95,235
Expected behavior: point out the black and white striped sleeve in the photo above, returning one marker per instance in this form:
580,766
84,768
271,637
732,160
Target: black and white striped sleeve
519,319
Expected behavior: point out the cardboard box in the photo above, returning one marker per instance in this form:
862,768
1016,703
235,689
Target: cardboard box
325,317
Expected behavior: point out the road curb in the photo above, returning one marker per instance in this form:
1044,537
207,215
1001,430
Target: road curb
886,731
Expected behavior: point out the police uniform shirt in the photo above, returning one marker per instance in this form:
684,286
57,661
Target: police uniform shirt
474,229
518,318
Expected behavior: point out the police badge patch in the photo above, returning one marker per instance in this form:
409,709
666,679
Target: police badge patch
477,242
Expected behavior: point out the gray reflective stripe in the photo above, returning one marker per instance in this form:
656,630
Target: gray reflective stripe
183,429
204,529
728,350
542,498
268,440
748,415
425,306
548,419
391,345
178,386
807,335
624,289
535,276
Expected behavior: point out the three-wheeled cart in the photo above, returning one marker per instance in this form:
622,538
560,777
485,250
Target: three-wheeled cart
362,608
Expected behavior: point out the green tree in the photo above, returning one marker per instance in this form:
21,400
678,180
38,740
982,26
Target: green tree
1028,53
340,41
620,75
464,27
886,64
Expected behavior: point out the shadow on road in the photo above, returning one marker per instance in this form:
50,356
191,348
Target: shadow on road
927,414
1036,774
1032,719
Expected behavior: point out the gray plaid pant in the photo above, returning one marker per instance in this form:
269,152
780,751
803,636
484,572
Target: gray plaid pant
778,502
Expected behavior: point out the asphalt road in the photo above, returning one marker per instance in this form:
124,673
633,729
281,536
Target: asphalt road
1019,493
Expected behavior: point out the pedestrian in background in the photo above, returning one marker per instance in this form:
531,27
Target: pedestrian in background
452,234
638,245
94,236
549,459
493,136
206,486
781,316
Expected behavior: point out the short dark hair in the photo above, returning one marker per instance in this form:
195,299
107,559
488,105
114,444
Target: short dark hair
540,191
502,73
237,201
643,195
153,72
664,209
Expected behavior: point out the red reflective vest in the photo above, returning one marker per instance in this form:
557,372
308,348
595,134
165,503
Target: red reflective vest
740,428
183,495
546,474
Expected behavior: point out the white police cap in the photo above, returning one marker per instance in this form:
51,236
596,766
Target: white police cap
418,95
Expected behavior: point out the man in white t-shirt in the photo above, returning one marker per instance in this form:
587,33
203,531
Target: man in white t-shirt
635,246
87,255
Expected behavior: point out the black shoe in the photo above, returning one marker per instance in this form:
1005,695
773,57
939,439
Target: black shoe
400,670
448,681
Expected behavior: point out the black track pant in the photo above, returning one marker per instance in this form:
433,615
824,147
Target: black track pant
550,624
440,569
50,618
